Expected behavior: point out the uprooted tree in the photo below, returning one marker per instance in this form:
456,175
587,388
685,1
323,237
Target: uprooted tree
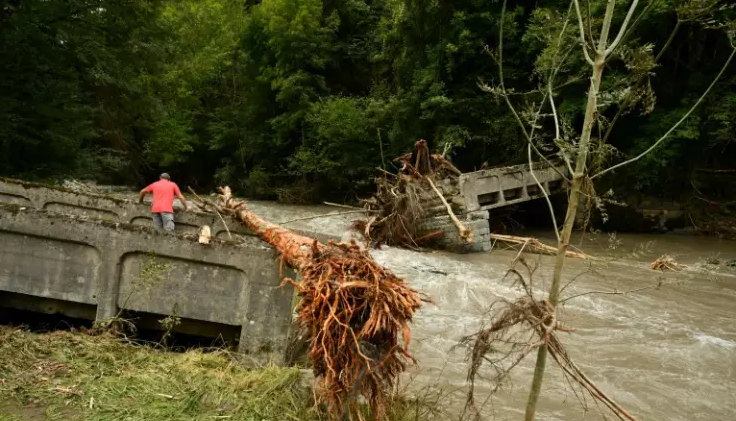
402,199
353,309
583,154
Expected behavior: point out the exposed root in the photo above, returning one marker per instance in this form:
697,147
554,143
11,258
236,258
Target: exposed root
667,262
396,205
352,307
355,310
395,209
518,327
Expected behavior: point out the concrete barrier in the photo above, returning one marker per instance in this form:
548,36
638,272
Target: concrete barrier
95,264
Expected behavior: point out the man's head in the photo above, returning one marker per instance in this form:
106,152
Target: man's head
165,176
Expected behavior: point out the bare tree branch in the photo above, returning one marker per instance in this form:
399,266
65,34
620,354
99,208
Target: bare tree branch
590,25
634,24
544,191
673,128
531,171
508,102
582,33
622,31
557,127
614,292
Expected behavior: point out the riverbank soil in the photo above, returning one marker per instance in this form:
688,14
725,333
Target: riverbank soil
74,376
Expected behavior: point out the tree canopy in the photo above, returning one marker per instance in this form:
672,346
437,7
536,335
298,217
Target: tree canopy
304,96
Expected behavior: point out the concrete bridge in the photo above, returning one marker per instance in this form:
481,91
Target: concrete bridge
504,186
89,256
475,194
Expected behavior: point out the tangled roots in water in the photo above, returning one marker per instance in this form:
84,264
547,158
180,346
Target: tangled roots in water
354,310
515,329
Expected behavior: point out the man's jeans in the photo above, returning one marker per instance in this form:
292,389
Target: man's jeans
163,220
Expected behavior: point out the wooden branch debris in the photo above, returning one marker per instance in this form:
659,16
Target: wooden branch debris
515,329
667,262
398,202
204,235
465,234
323,215
536,246
213,207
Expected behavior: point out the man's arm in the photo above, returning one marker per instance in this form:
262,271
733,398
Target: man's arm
181,197
143,194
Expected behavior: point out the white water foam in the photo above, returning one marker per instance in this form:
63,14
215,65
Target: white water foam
714,340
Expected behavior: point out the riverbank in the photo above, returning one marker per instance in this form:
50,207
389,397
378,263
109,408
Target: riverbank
67,375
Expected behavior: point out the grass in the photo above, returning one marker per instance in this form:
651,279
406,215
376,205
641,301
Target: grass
74,376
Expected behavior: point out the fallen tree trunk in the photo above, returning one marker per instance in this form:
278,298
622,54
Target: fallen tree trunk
352,307
534,245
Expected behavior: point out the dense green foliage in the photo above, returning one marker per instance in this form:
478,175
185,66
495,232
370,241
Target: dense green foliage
290,95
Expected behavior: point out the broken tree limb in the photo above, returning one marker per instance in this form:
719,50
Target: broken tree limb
323,215
204,235
514,330
442,162
667,262
465,234
338,205
354,309
431,236
224,224
537,246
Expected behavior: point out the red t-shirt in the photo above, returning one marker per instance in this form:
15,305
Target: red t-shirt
163,195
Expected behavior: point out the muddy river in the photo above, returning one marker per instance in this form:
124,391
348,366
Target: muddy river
664,354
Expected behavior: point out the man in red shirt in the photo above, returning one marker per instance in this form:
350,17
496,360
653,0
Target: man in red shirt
163,192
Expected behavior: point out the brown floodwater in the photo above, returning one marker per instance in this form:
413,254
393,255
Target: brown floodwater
664,354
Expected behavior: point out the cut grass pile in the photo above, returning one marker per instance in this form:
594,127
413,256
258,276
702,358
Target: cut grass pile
74,376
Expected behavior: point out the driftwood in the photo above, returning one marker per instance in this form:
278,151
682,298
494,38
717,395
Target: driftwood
535,246
394,211
465,234
667,262
421,163
353,309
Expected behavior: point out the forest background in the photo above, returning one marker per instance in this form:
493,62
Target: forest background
299,99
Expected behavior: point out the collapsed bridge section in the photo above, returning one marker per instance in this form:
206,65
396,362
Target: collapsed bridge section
473,195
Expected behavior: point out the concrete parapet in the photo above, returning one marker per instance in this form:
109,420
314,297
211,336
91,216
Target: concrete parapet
498,187
110,266
63,200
